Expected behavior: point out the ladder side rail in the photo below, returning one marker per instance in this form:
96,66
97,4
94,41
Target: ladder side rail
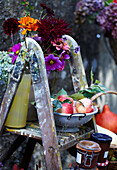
77,69
43,105
76,65
10,92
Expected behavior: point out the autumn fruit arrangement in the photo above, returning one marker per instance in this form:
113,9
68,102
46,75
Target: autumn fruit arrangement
74,110
69,106
76,103
79,102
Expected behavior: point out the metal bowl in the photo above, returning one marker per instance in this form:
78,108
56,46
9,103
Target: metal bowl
73,120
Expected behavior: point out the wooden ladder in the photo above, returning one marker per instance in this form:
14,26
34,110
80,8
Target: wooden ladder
47,133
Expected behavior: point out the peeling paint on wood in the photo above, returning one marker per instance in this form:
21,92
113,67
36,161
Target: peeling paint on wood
65,139
43,105
76,66
10,92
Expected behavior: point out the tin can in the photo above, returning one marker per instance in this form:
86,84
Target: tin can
87,154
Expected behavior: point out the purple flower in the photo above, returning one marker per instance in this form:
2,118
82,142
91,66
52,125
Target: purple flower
89,8
62,66
36,37
107,19
64,55
77,49
15,49
52,62
1,164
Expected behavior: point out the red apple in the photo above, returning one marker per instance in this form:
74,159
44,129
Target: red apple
66,108
61,96
84,105
65,98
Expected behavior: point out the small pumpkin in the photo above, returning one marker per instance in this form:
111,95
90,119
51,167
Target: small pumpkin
107,119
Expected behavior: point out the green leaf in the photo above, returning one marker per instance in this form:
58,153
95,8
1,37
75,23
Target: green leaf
96,88
33,103
81,103
102,87
110,1
89,92
97,81
56,105
113,159
77,96
31,7
22,3
106,3
52,96
67,101
91,75
61,92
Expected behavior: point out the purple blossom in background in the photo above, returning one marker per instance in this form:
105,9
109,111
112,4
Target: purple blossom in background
107,19
104,15
15,49
88,8
52,62
1,165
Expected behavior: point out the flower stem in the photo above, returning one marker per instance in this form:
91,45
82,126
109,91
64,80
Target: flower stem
41,14
12,38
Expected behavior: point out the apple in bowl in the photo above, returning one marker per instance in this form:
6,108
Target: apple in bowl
84,105
69,106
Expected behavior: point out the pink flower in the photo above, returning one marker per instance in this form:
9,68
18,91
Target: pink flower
60,44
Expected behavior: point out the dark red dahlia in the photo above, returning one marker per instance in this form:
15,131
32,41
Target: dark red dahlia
11,26
51,29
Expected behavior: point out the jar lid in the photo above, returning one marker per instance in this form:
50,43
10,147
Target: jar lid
101,137
88,145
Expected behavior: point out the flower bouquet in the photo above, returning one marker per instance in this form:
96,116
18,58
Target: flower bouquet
47,30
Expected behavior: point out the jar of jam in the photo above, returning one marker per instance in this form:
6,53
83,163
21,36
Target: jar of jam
87,154
104,141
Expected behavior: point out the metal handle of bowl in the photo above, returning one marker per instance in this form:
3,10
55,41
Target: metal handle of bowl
80,115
